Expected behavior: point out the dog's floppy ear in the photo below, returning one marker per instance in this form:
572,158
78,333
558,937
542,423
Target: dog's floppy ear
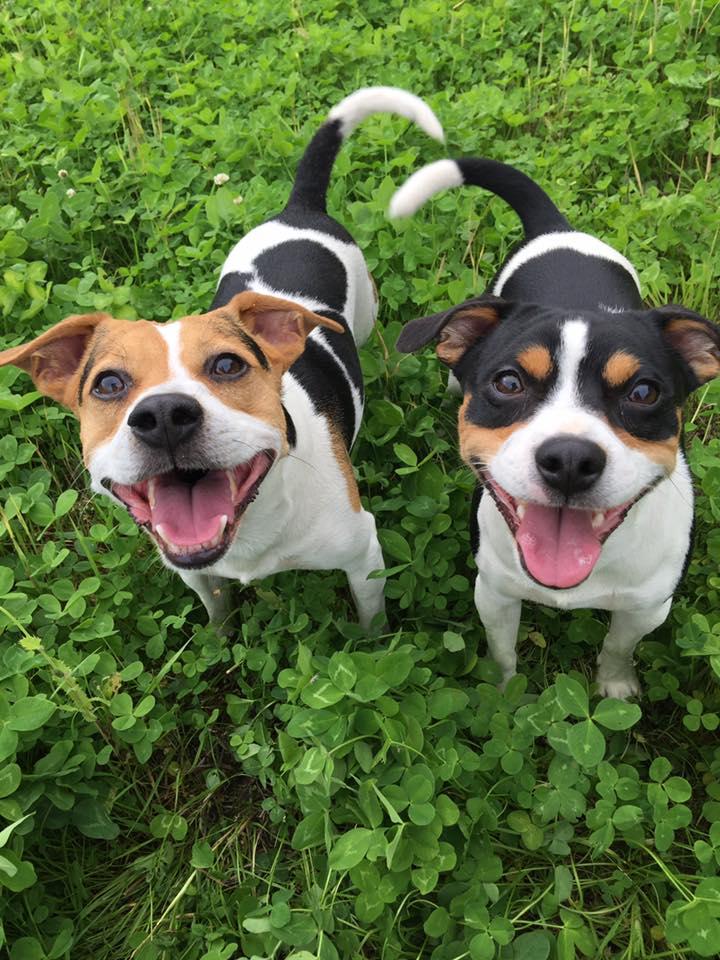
53,358
694,338
456,329
281,326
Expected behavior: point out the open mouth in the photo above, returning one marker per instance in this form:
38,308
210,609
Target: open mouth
558,546
193,514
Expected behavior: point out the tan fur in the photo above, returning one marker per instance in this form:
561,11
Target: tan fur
536,361
374,287
691,339
134,347
662,452
57,358
343,460
480,444
620,367
465,328
256,393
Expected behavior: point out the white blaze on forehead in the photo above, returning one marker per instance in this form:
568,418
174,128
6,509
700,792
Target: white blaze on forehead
170,332
573,347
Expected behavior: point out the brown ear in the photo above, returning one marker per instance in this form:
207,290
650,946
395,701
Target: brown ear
281,326
456,329
694,338
53,358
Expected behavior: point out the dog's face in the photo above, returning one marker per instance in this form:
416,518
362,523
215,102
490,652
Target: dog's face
182,421
569,419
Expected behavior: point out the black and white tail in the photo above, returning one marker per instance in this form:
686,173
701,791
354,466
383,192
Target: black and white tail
538,213
313,173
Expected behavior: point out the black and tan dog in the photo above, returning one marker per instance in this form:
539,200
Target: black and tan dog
572,419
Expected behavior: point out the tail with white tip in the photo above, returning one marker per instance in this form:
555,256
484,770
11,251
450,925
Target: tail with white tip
313,173
538,213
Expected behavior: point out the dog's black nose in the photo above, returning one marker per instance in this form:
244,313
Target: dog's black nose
570,464
165,420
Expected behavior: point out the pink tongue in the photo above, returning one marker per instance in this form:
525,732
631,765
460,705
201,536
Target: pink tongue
559,546
191,514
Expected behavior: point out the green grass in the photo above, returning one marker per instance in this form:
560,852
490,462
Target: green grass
304,789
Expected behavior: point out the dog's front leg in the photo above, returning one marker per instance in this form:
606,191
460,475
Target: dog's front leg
500,616
616,675
369,595
214,593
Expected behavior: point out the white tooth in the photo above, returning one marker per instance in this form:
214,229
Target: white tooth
160,531
233,483
598,519
520,509
151,493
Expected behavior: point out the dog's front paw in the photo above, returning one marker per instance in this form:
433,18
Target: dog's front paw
618,684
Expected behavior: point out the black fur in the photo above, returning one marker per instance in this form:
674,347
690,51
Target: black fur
526,325
534,207
230,285
572,281
318,372
306,268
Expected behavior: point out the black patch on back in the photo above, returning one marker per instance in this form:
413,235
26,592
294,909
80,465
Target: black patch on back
474,525
573,281
229,286
306,219
304,268
320,375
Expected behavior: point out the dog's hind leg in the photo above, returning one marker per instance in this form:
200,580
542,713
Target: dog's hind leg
616,675
369,595
214,593
500,616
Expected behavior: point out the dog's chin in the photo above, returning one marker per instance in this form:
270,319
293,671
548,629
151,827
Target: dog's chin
558,546
193,515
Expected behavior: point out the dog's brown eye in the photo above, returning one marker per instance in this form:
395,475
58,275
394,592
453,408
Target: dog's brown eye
109,385
644,391
227,366
508,383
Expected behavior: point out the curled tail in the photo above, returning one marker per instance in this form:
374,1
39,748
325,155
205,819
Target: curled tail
538,213
313,173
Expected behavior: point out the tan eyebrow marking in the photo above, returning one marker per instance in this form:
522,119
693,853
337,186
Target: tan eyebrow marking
536,361
620,367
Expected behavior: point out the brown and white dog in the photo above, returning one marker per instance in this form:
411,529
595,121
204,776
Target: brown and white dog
227,435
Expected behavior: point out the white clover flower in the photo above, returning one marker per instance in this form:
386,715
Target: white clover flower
70,192
238,200
62,174
220,178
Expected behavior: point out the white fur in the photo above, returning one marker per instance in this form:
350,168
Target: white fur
364,102
634,578
422,185
582,243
